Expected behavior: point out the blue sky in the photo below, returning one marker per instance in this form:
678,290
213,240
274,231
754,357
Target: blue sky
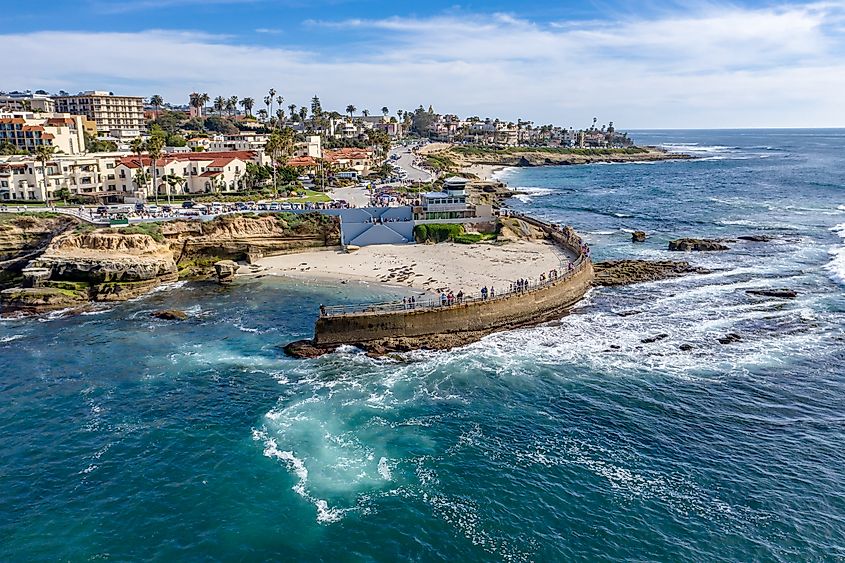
644,64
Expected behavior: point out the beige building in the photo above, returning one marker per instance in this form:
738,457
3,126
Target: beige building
22,178
118,116
27,131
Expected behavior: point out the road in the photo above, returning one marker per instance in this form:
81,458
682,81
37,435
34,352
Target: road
406,162
354,196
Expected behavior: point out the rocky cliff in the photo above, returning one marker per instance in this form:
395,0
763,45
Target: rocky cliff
22,237
73,266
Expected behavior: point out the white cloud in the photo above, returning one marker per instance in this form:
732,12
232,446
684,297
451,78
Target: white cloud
715,67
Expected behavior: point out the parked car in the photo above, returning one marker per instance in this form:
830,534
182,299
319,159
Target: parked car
187,204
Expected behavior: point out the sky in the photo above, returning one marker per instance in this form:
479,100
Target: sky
645,64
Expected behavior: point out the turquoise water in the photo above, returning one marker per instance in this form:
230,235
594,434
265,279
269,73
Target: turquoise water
125,437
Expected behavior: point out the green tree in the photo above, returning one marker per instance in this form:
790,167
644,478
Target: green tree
384,111
156,101
43,153
279,146
174,181
350,109
219,104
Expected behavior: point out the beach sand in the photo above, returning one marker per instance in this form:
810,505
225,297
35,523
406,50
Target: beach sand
484,172
426,267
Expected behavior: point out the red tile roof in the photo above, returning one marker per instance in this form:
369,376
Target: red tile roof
224,157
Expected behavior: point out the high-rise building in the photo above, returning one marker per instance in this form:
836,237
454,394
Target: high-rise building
27,131
118,116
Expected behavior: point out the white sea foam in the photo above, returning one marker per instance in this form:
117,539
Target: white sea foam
384,469
11,338
836,266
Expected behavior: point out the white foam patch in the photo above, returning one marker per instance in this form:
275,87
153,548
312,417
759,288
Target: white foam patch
836,266
11,338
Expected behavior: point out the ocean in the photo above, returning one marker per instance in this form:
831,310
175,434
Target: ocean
595,438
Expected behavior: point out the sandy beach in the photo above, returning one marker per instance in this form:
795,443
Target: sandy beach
484,172
427,267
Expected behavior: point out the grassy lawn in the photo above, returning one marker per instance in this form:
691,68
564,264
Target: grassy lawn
310,197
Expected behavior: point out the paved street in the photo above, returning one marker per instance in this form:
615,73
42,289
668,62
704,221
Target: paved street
406,162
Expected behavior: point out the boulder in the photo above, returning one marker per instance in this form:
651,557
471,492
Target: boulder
685,347
755,238
696,244
638,236
305,349
40,299
781,293
655,338
226,270
170,315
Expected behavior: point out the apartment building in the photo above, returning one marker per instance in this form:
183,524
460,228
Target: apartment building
121,117
188,173
22,178
27,101
27,131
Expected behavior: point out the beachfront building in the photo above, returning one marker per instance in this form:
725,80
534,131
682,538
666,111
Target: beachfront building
185,173
451,206
27,101
90,177
28,130
120,117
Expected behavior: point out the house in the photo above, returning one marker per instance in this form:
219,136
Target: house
451,206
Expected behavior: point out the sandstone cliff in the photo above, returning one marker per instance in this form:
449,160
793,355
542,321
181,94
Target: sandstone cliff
24,236
72,267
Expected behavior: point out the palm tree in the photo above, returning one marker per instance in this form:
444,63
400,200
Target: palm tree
44,153
384,111
156,101
267,101
262,114
292,109
271,95
248,104
137,146
173,181
303,113
232,105
154,146
219,104
279,145
204,98
350,109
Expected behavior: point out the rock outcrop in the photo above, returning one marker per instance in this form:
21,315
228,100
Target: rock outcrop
625,272
638,236
23,237
170,315
226,270
696,244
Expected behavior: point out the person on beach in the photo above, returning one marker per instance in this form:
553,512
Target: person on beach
484,292
404,302
322,310
460,296
443,299
492,292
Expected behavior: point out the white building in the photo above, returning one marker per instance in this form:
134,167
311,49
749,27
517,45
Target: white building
22,178
451,206
189,173
27,101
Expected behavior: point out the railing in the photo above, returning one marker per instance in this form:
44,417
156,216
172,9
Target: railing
438,303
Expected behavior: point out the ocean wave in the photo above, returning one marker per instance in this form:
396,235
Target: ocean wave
11,338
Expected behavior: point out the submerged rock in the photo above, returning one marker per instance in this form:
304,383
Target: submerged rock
781,293
685,347
696,244
638,236
170,315
655,338
624,272
756,238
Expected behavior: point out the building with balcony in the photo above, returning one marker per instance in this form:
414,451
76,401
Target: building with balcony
90,177
451,205
27,131
117,116
27,101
